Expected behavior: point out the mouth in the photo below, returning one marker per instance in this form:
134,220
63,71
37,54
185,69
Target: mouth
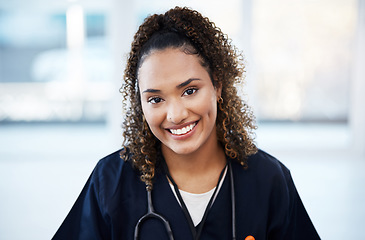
184,130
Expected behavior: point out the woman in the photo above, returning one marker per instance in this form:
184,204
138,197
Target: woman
188,158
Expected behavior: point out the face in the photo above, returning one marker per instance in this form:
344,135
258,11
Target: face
179,101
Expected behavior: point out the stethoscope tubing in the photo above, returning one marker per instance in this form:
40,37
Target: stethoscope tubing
152,214
233,201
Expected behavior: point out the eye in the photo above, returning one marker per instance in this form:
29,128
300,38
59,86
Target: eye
190,91
154,100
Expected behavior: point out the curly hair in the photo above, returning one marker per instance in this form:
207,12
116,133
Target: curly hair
196,34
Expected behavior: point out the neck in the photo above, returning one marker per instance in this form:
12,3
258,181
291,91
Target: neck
196,161
197,172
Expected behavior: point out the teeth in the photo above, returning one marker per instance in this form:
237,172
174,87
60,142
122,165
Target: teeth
183,130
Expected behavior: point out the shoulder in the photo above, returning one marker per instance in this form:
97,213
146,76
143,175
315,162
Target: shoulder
107,170
267,187
108,167
112,164
266,173
110,171
113,159
264,163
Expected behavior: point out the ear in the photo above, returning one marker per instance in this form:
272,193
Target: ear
218,88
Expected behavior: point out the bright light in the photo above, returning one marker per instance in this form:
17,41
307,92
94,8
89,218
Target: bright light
75,26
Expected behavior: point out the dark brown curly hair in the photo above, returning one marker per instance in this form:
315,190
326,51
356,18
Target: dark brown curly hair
194,34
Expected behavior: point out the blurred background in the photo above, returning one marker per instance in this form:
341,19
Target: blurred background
61,67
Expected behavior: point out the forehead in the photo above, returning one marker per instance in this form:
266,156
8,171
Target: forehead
170,66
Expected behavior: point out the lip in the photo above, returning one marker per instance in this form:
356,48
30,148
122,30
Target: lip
182,136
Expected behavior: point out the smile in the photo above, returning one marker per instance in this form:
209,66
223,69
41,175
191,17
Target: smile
183,130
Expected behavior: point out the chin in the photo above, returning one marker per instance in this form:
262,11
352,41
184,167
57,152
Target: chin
182,150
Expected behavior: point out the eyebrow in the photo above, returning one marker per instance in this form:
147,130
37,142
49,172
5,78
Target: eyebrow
150,90
181,85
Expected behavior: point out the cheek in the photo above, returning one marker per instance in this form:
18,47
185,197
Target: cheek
208,106
206,109
153,117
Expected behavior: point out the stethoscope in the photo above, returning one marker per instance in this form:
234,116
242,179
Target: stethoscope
152,214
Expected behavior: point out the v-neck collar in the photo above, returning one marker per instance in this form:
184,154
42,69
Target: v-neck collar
168,206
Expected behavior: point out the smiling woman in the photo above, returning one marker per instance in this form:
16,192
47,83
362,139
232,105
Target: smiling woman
189,168
213,57
183,98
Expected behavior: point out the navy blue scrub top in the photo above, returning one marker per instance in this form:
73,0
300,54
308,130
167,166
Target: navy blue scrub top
114,198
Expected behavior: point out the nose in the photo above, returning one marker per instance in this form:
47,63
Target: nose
177,112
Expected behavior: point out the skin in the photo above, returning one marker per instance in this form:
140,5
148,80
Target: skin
176,93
